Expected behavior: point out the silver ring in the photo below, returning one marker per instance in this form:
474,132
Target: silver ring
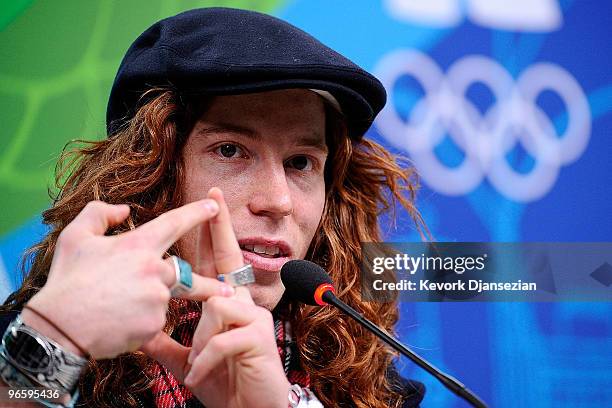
240,277
184,278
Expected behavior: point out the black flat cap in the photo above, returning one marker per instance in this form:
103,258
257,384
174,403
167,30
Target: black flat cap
223,51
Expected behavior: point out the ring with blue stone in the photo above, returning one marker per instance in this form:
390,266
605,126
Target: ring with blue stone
240,277
184,279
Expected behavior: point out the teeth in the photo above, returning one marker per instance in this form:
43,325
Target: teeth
272,250
260,249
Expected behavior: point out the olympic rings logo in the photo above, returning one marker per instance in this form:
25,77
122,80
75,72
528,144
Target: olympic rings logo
484,138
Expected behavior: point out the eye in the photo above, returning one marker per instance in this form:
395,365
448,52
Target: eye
302,163
229,150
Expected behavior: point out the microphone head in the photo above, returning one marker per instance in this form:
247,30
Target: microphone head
302,279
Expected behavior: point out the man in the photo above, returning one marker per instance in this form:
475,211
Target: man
252,130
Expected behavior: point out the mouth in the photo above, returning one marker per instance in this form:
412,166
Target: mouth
266,251
265,254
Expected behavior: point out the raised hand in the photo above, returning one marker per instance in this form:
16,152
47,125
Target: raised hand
233,361
110,293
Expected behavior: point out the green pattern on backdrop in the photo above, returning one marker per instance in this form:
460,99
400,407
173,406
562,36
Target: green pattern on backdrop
10,10
57,63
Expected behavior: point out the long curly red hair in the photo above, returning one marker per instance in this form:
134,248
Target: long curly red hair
141,165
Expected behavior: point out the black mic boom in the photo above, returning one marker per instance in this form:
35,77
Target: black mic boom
304,280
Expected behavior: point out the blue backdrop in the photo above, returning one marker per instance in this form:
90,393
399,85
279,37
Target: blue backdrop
467,80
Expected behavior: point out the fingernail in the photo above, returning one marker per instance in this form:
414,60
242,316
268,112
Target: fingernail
215,190
227,290
191,357
212,206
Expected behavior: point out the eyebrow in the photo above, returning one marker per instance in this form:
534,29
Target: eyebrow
314,140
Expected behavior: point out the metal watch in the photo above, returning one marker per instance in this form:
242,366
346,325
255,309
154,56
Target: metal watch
41,359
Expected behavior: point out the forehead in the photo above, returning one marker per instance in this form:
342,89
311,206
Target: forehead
274,112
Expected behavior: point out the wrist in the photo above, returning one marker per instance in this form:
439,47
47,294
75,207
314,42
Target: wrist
28,358
47,329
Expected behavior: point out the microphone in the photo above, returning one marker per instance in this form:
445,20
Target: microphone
308,283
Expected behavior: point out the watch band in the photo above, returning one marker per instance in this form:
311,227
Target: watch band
45,362
16,379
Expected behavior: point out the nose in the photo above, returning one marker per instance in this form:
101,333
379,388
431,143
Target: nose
271,194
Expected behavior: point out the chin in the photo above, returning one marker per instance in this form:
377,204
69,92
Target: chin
266,296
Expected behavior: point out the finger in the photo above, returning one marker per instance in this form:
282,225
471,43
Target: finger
205,260
221,347
205,288
166,229
227,253
168,352
219,314
169,273
97,217
202,287
226,250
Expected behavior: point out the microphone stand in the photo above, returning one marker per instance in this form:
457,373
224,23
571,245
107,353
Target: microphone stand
448,381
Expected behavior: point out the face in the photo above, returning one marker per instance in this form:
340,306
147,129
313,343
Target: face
267,153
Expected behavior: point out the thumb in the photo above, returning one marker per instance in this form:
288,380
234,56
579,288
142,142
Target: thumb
169,353
97,217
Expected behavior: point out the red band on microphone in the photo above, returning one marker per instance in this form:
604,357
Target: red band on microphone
318,296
